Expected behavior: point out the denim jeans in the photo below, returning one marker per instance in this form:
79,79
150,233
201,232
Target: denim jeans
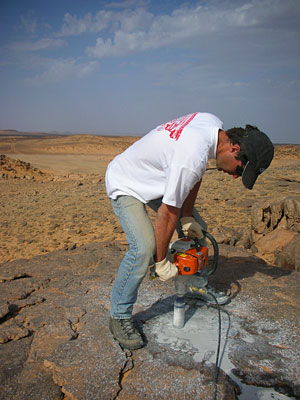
136,224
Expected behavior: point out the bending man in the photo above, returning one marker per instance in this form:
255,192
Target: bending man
164,170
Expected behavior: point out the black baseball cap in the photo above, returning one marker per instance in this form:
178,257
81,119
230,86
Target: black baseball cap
259,152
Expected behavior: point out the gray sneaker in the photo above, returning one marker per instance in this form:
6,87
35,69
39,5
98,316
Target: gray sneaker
125,333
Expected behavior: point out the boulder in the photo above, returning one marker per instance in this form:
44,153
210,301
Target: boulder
225,235
267,217
268,246
273,226
292,213
289,257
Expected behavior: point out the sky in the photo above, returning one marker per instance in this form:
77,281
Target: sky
124,67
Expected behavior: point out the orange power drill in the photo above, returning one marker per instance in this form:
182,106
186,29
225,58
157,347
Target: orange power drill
188,256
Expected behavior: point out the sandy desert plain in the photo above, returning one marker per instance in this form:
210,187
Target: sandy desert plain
53,194
60,245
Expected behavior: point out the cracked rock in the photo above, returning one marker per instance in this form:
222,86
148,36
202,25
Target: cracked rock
65,347
11,331
4,308
91,364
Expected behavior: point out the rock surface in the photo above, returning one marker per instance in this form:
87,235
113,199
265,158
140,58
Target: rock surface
65,206
18,169
274,225
60,246
56,342
289,257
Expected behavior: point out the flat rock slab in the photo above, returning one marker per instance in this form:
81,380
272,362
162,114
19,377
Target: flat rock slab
56,342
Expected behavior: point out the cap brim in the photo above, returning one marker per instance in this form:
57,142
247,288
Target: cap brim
249,176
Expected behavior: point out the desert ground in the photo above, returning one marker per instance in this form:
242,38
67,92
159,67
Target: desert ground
60,247
53,194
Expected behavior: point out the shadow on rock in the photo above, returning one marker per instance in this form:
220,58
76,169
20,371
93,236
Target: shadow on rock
235,266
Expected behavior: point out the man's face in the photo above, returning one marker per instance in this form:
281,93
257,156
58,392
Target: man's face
226,159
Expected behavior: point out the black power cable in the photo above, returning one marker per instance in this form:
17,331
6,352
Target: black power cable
217,366
210,272
207,292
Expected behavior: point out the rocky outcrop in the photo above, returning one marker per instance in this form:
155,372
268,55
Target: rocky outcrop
17,169
289,257
270,216
275,232
56,342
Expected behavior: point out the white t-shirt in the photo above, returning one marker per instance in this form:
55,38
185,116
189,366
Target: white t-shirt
167,162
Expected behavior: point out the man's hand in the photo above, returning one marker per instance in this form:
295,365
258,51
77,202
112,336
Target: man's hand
191,228
166,270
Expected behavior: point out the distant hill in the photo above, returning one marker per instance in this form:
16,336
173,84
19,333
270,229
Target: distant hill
14,133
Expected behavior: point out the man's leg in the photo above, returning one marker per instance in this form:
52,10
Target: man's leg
139,232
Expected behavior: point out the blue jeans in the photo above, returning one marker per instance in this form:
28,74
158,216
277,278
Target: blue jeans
136,224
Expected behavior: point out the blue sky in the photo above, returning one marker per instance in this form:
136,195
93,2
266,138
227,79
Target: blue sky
123,67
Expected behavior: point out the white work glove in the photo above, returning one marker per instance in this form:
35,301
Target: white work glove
191,228
165,270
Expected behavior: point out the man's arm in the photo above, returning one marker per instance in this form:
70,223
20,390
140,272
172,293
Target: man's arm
166,221
188,205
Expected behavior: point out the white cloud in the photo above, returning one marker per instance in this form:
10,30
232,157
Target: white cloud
268,14
127,21
124,43
138,19
162,30
42,44
127,4
76,26
139,30
29,22
62,69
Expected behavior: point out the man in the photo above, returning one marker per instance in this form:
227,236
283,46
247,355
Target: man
164,170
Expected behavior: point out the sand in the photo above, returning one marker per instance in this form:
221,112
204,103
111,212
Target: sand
53,197
58,200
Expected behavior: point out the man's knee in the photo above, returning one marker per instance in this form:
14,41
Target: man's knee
148,249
